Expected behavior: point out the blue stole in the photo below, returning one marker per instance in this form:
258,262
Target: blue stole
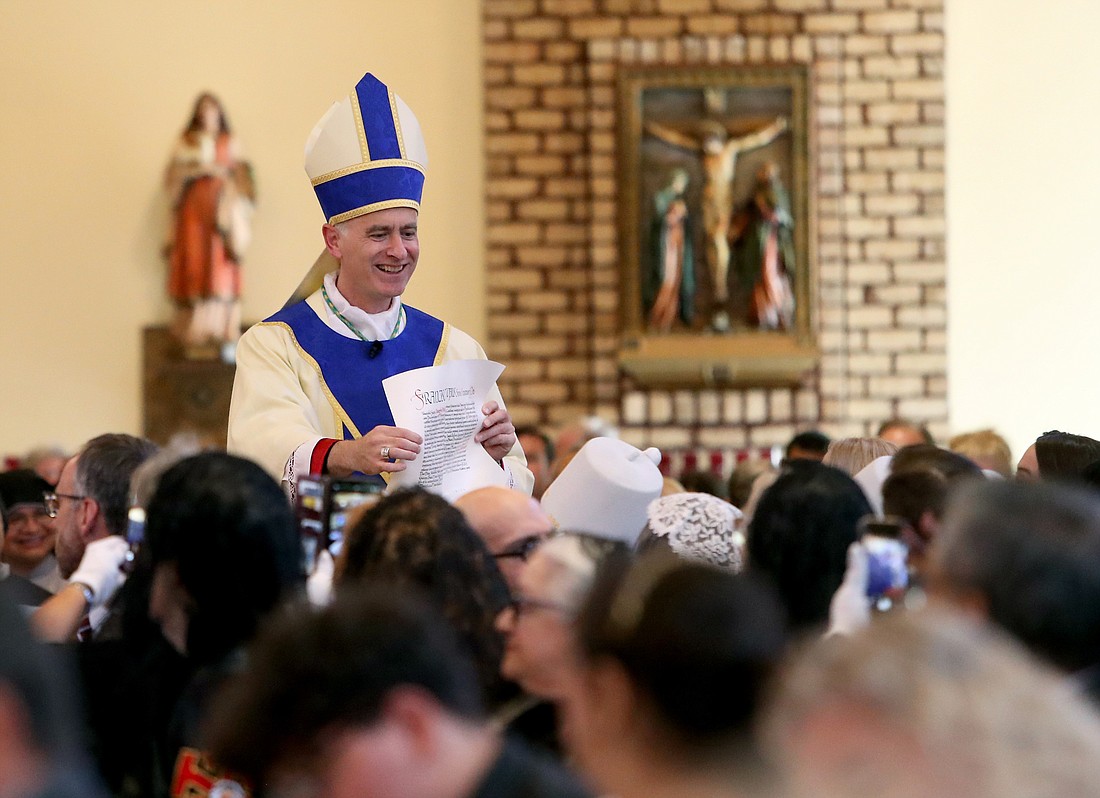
352,377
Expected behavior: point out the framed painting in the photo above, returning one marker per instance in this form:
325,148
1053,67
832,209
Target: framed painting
715,220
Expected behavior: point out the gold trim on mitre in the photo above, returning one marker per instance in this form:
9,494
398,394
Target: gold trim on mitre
396,122
357,115
362,167
374,206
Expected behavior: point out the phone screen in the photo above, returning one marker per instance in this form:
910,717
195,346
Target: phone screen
322,508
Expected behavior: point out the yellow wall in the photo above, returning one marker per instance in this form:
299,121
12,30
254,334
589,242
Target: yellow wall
94,95
1023,215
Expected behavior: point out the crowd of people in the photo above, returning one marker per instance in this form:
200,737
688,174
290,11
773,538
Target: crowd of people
869,617
164,635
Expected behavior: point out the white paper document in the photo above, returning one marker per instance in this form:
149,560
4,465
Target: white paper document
443,405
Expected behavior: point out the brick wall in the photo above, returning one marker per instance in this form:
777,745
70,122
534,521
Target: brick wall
878,179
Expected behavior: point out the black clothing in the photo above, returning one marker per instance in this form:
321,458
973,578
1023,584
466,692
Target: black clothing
521,773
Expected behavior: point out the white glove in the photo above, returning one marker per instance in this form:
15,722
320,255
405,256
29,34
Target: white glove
101,568
850,609
319,583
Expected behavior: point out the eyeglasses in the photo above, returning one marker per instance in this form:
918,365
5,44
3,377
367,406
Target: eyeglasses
53,501
522,548
522,605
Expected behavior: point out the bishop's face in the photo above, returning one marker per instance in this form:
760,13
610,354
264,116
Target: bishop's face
377,253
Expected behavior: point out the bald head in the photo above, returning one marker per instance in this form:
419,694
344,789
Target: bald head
508,521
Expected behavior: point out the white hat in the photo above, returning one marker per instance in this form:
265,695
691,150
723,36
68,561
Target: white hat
605,489
366,154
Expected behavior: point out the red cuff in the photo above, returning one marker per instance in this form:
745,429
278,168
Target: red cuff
320,456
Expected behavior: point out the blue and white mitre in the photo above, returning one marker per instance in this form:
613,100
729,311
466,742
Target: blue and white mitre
366,154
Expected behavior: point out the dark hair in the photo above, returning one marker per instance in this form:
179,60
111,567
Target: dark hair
413,538
230,531
901,423
103,473
1033,552
533,431
811,441
309,672
921,478
195,122
699,481
698,642
1064,456
800,534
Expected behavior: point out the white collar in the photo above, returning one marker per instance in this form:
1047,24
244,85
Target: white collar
373,326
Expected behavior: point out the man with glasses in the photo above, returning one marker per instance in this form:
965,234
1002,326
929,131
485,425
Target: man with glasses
89,509
29,540
511,523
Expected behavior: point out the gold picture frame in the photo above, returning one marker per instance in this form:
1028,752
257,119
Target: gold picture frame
715,225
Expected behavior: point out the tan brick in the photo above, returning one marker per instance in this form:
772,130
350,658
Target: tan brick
932,157
541,256
931,20
925,272
919,226
595,27
538,165
509,8
866,91
509,97
891,21
543,391
512,143
894,341
733,407
498,211
869,318
673,7
513,233
542,209
660,407
892,250
889,159
510,52
497,121
921,363
540,119
771,24
867,181
563,51
866,228
917,181
512,188
893,113
857,45
710,407
563,143
740,5
539,74
569,8
806,405
498,302
669,437
831,23
515,279
921,408
565,234
634,407
779,48
542,346
780,405
802,49
512,323
799,6
896,386
683,406
890,66
897,294
860,5
538,28
496,29
497,74
891,204
867,136
917,43
930,316
869,364
756,406
919,135
712,24
918,89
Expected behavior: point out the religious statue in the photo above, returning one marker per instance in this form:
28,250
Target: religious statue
719,150
668,283
212,193
763,243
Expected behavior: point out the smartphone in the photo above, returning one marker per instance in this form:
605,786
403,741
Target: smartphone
322,507
887,567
